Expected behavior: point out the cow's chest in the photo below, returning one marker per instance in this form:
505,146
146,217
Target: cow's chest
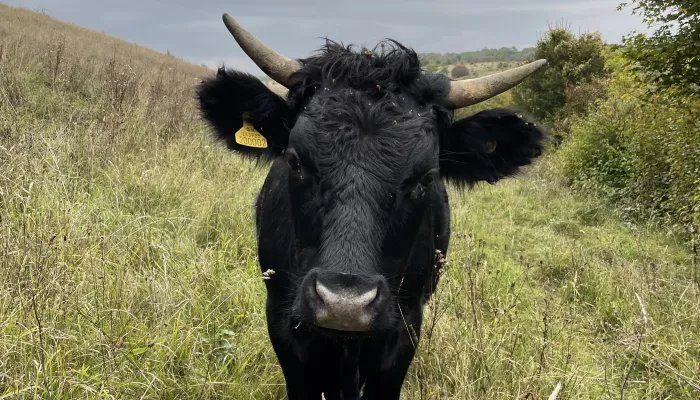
342,367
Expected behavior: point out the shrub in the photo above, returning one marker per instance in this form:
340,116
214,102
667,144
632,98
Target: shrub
670,54
460,71
643,155
572,61
431,67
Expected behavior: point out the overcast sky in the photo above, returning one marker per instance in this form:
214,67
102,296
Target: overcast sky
192,29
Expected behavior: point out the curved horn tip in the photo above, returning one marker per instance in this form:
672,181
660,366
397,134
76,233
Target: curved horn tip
468,92
228,21
227,18
273,64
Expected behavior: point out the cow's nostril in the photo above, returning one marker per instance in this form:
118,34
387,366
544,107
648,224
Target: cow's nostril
345,298
345,308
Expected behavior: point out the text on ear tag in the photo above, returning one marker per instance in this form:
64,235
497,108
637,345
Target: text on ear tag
248,136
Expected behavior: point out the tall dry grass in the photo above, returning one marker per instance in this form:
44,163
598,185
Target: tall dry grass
128,262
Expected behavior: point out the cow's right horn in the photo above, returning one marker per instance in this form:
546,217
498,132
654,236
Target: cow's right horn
273,64
471,91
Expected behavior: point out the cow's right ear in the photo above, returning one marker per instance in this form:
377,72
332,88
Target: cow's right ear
251,118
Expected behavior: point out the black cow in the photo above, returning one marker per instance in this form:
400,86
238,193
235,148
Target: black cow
354,208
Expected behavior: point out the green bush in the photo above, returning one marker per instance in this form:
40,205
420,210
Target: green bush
460,71
430,67
572,61
642,154
670,54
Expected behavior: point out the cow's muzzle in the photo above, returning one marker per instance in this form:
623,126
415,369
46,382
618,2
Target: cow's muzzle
343,301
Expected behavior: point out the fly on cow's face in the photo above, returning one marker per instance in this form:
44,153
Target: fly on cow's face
354,208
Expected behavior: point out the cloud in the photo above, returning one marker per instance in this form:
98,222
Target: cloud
194,31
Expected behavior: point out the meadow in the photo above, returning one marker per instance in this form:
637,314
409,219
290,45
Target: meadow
128,258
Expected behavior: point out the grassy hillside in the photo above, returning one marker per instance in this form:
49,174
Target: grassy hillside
128,261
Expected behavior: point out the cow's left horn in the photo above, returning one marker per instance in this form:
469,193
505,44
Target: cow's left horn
467,92
273,64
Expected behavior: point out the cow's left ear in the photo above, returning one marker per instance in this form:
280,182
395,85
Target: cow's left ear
489,146
245,113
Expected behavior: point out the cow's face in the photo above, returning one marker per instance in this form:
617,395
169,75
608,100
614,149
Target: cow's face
363,169
366,139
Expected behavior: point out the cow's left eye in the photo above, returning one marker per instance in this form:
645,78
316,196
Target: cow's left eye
300,175
293,160
422,187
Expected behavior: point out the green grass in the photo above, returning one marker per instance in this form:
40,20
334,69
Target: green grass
128,260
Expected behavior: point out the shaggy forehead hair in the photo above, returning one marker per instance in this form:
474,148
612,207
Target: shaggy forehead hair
357,130
373,108
388,70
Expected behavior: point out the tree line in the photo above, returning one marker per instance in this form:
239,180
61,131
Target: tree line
479,56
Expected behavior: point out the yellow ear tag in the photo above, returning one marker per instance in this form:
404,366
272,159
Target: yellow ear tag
248,136
491,146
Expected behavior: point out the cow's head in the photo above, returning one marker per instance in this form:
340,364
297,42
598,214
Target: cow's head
367,137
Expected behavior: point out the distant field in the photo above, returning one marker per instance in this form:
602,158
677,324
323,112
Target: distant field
477,70
128,260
